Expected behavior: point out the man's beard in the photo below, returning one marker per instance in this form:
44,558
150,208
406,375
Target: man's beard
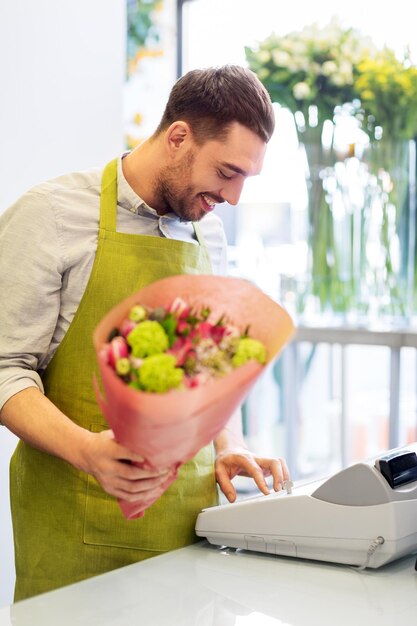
177,196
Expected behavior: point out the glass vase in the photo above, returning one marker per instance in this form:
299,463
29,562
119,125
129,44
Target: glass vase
333,178
361,227
389,227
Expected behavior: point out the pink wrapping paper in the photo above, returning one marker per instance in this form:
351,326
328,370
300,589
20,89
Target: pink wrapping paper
169,429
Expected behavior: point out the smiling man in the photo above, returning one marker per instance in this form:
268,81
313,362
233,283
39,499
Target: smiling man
195,178
71,249
212,136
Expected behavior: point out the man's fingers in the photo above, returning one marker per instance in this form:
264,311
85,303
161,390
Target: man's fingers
133,487
277,468
134,490
258,476
133,472
256,468
225,484
279,472
251,466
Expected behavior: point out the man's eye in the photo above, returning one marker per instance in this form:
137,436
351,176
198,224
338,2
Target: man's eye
223,175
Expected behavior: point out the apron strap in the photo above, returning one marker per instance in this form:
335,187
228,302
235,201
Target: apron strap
199,234
108,197
108,203
203,245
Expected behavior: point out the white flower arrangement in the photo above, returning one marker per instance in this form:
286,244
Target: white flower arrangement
314,66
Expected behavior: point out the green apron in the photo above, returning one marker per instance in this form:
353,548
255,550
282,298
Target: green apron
66,528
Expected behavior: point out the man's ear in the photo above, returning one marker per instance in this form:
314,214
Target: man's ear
178,136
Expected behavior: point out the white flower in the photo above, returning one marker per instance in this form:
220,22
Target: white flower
315,68
280,57
338,79
263,56
328,67
346,68
178,307
231,331
304,57
297,64
301,91
300,48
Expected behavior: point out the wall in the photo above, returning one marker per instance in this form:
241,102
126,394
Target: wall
62,67
62,75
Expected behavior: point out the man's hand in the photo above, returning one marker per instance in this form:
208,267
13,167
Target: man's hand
232,462
233,459
33,418
115,468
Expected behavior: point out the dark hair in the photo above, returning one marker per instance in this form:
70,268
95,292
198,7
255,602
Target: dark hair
211,99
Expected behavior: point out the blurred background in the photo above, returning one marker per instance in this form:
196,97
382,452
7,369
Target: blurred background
328,229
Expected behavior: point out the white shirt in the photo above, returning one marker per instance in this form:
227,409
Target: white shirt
48,240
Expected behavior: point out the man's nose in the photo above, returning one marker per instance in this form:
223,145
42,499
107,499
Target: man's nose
232,191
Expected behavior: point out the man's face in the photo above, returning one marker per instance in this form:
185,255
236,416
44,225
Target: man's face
203,176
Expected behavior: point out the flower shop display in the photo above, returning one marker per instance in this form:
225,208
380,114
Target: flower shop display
187,391
354,109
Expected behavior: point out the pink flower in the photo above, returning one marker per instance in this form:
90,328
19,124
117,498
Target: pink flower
183,327
191,382
126,326
202,330
118,349
180,308
181,349
218,332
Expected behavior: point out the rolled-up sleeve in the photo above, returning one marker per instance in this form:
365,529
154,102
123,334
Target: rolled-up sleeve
31,267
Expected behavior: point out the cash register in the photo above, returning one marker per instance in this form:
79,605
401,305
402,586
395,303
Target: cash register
364,515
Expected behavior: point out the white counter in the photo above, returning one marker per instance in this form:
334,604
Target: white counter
204,586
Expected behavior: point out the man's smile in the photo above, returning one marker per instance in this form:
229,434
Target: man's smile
209,203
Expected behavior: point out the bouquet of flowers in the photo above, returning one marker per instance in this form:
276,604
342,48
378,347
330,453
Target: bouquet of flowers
173,376
177,348
311,67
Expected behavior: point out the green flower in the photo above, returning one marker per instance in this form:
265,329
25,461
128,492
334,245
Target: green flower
137,313
159,374
123,366
248,350
147,338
